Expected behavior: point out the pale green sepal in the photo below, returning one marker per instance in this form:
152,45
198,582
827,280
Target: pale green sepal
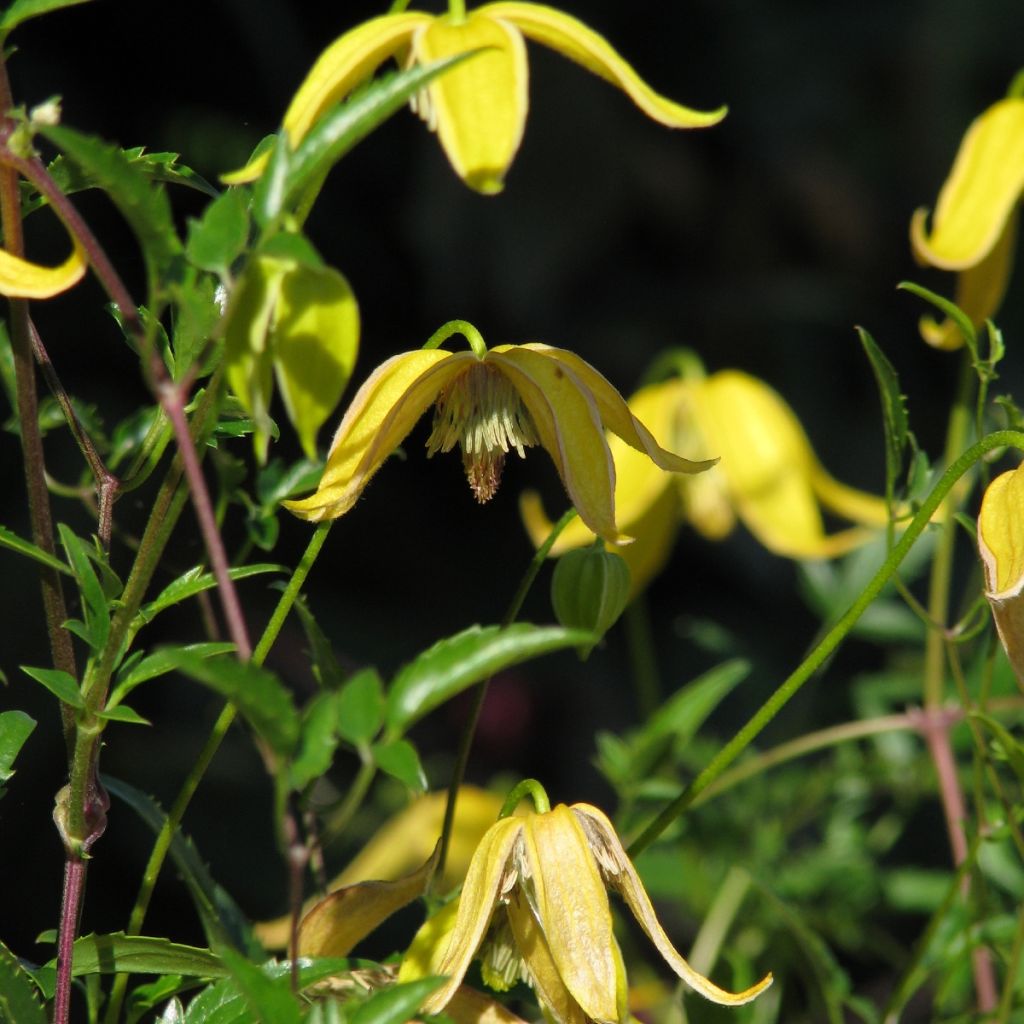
315,343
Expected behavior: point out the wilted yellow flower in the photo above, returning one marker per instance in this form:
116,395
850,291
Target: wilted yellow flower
768,476
535,906
478,108
975,222
491,402
20,279
1001,543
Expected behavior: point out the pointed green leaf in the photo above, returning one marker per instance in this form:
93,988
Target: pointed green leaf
270,999
145,207
123,713
397,1003
222,920
197,314
400,760
325,665
19,1002
950,309
94,600
315,342
15,728
21,10
317,741
361,707
61,684
456,663
11,540
217,239
269,192
894,408
142,954
256,693
166,659
193,582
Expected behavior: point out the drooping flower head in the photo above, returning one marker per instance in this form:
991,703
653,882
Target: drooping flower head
974,226
535,907
491,402
768,477
479,107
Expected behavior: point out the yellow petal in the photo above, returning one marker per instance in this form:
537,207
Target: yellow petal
544,976
1001,543
20,279
478,107
468,1006
382,413
616,414
340,920
348,61
569,427
570,903
979,290
978,197
479,894
428,944
583,45
621,875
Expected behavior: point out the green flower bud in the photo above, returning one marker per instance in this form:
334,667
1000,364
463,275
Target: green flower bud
589,590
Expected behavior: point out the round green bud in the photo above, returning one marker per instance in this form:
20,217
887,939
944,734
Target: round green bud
589,590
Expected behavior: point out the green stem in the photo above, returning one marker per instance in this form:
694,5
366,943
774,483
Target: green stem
719,919
457,10
642,656
339,819
1012,973
526,788
942,564
817,657
480,692
463,327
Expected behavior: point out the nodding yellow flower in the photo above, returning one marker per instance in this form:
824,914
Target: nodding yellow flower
20,279
477,108
974,226
535,907
768,477
1001,543
490,403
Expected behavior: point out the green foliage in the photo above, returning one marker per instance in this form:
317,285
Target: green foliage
19,11
15,729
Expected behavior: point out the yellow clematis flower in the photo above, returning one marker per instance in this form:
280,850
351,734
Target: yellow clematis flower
479,107
21,279
491,402
535,906
974,227
1001,543
768,477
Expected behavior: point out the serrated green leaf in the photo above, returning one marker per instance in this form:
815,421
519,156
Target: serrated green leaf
166,659
400,760
340,129
950,309
894,408
325,665
21,10
315,343
142,954
94,600
11,540
222,921
123,713
217,239
19,1003
397,1003
15,728
144,206
457,662
361,707
256,693
318,741
193,582
196,316
270,999
61,684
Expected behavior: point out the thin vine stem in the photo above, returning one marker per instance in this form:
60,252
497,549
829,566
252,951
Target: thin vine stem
786,690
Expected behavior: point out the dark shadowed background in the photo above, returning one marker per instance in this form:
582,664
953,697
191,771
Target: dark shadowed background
759,243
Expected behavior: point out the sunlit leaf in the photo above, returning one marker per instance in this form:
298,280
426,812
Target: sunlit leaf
61,684
19,1001
11,540
142,954
361,707
15,729
395,1004
219,236
21,10
400,760
166,659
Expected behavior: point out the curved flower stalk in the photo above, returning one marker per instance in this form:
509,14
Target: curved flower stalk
974,226
478,109
535,906
491,402
768,477
1001,544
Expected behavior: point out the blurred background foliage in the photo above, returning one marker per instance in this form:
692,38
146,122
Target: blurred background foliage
759,243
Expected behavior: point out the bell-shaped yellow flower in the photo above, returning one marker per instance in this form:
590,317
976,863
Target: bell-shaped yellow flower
21,279
535,906
478,108
1001,543
768,476
974,226
491,402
